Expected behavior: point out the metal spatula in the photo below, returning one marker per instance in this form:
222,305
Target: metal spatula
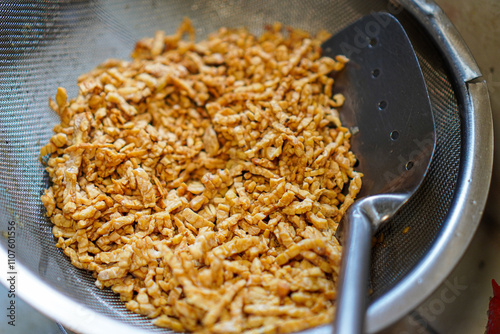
389,113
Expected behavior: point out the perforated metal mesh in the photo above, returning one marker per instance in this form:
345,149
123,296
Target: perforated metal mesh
425,214
47,44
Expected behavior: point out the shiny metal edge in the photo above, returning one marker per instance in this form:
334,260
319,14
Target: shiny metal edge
472,192
463,219
446,36
69,313
441,259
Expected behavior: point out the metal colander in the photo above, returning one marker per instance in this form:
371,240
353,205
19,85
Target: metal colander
46,44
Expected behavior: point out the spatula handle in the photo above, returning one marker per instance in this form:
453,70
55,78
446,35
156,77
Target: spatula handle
353,283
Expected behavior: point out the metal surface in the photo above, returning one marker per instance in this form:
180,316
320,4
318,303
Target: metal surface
352,295
388,105
448,249
474,176
446,36
49,43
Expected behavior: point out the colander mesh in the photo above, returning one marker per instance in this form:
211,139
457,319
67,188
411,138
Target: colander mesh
425,214
46,44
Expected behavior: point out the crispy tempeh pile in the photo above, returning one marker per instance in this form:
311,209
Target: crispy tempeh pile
203,182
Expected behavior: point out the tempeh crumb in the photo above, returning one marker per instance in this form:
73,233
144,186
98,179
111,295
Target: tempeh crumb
203,182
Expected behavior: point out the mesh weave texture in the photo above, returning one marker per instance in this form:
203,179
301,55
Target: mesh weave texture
47,44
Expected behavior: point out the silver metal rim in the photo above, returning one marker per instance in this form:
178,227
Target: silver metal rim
469,202
71,314
474,178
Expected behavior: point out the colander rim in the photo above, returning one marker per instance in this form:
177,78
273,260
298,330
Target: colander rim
432,270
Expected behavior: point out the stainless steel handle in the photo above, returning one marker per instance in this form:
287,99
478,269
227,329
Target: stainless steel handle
354,274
